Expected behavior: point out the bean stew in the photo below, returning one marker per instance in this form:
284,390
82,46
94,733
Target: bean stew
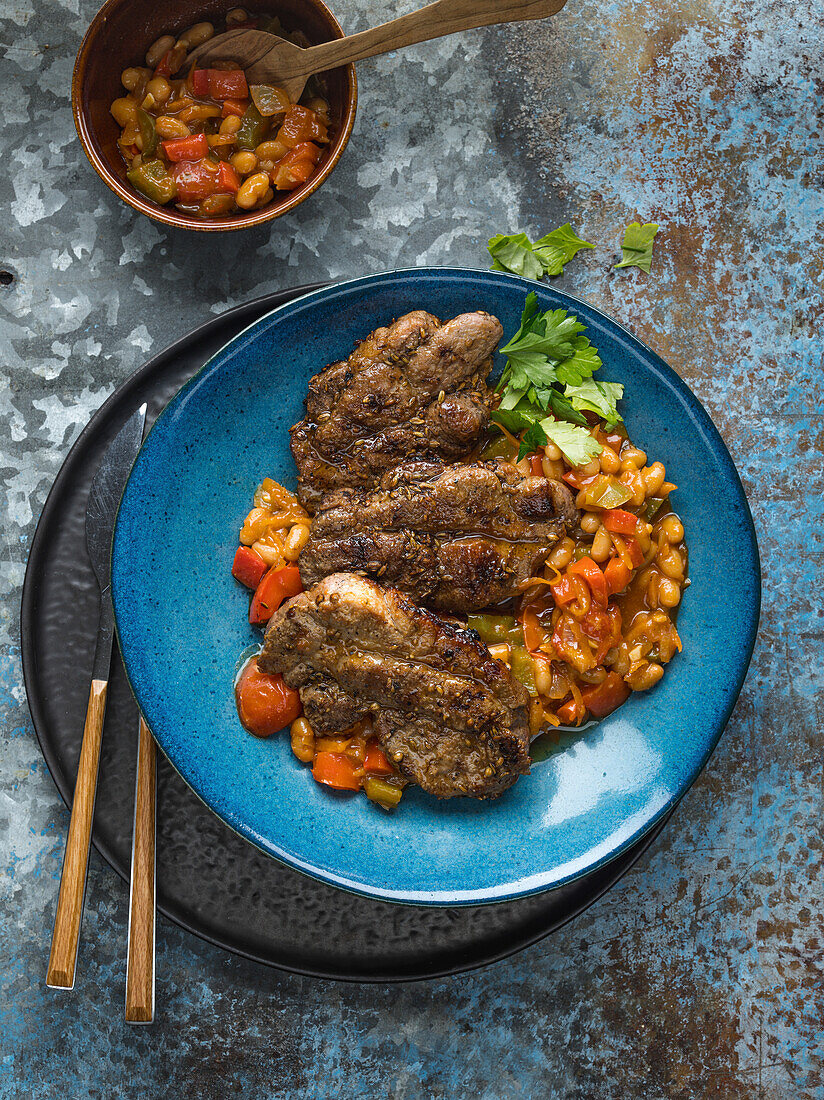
208,142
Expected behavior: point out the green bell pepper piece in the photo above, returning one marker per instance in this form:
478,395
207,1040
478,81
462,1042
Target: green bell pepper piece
148,132
522,668
652,508
500,447
492,628
153,181
606,493
252,128
385,794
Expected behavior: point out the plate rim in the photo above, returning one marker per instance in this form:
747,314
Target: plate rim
493,895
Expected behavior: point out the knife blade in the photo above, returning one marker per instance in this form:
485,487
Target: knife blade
101,512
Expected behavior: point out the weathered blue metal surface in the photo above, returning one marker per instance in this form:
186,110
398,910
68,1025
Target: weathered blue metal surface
702,974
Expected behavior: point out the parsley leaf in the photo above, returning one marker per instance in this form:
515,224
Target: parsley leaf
576,443
513,252
637,245
598,397
558,248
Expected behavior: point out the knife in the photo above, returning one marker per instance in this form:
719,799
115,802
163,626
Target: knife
101,511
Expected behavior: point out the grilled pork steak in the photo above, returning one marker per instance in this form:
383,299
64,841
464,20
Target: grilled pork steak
450,717
455,538
413,390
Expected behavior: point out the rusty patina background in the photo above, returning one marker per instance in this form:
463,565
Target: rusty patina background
701,974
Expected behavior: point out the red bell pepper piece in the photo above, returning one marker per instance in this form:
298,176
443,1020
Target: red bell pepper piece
200,82
376,761
230,84
191,148
536,466
164,65
636,554
234,107
264,703
248,567
227,177
619,521
278,585
617,575
564,591
335,769
570,713
195,180
602,699
533,634
578,481
592,574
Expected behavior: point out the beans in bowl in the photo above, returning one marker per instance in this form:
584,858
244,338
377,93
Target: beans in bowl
208,142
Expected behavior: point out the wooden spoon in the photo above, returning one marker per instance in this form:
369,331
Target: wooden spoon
267,59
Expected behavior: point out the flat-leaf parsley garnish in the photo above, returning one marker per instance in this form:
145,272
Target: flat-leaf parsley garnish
514,252
547,385
636,248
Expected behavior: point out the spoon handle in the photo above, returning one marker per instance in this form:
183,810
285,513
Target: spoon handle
434,21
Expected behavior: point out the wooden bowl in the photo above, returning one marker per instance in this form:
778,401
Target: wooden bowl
119,36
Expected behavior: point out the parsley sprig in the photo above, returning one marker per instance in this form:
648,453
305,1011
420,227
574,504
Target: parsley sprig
547,384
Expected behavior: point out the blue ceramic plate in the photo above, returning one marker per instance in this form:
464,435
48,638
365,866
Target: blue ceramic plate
182,619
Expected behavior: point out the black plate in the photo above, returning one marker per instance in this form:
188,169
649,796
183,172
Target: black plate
210,881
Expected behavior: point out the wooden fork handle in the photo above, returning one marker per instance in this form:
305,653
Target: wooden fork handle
140,963
66,934
434,21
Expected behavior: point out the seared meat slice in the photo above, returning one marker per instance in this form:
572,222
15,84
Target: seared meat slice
413,390
455,538
451,718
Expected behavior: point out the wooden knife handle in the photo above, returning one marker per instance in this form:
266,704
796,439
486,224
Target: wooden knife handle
66,934
140,964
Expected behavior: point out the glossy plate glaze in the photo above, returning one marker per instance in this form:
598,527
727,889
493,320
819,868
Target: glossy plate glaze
182,618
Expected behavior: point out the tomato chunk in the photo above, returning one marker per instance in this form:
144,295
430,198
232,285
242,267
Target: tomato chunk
300,125
278,585
194,147
604,698
334,769
195,180
376,761
286,177
248,567
536,466
264,703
